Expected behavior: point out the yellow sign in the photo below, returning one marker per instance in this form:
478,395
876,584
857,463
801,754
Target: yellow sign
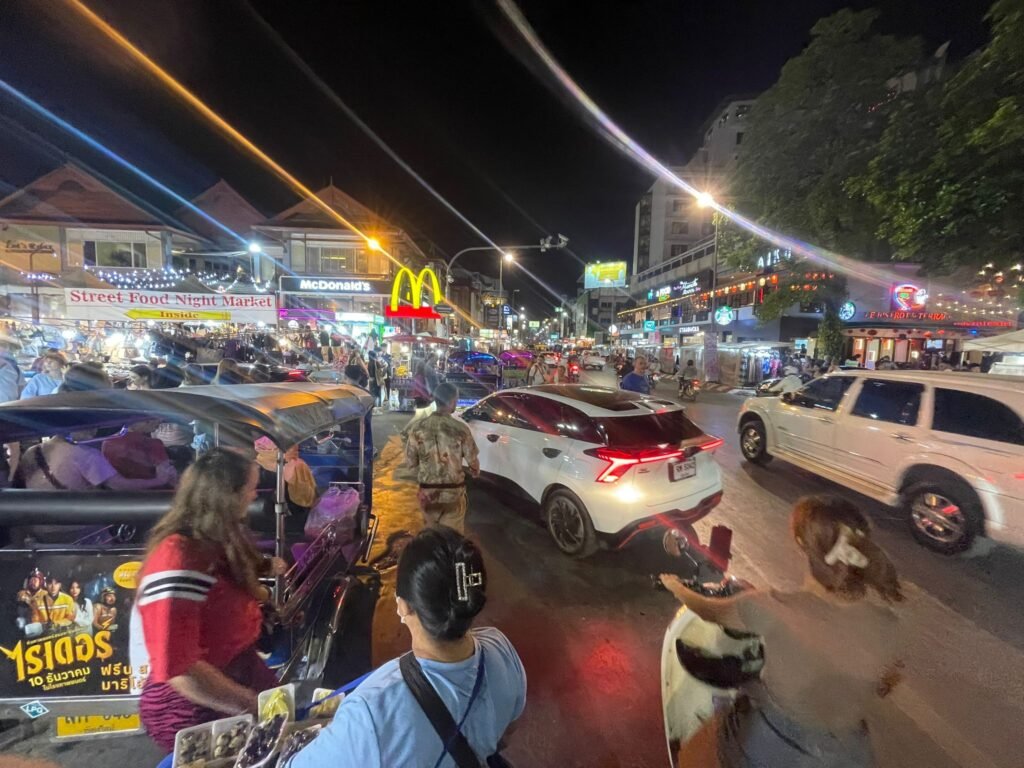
127,574
417,311
610,274
85,725
177,315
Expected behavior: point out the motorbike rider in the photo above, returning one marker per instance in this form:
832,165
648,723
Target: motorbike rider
834,651
790,382
687,376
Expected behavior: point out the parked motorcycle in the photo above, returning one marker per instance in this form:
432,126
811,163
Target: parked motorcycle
703,665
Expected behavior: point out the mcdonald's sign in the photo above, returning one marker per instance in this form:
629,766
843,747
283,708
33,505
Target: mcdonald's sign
416,309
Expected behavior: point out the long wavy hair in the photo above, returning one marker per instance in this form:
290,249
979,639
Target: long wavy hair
205,510
817,523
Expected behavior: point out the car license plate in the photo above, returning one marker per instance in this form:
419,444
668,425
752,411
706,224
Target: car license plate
88,725
680,470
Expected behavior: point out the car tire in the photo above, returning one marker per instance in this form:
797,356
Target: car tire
569,524
754,442
928,505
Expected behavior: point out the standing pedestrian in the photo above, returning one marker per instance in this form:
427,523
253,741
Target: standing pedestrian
11,379
49,377
11,383
380,367
637,381
437,448
325,345
538,373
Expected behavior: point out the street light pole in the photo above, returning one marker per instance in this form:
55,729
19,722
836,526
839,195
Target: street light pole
547,244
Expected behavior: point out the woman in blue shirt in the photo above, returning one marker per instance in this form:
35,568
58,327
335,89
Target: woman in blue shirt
46,381
441,588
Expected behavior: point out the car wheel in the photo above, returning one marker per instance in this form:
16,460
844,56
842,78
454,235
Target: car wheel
754,442
944,515
569,524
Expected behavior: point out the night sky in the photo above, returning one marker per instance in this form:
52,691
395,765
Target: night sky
442,82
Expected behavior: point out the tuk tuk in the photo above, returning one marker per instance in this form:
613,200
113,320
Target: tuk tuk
87,675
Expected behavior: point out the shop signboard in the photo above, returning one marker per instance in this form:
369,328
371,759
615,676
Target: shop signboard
609,274
416,309
69,631
333,286
171,306
689,330
650,325
908,297
534,324
316,315
492,316
767,262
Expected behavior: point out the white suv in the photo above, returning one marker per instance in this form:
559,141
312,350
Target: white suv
946,447
593,361
604,464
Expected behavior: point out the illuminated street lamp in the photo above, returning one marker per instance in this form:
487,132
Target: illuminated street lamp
705,200
373,243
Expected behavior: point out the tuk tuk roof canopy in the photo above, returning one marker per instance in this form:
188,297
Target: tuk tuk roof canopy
287,413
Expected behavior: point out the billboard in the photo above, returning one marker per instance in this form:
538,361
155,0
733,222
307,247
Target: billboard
608,274
534,323
66,632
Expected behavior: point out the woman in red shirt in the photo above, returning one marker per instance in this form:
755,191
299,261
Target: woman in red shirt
199,601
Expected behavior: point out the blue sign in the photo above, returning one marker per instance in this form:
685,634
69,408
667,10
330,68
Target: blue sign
650,325
34,709
847,311
506,309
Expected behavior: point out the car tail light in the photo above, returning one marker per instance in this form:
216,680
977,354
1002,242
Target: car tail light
707,443
295,376
621,459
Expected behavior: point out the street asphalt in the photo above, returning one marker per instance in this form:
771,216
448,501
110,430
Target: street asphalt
589,632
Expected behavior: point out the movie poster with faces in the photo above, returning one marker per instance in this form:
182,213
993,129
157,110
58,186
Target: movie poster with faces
65,624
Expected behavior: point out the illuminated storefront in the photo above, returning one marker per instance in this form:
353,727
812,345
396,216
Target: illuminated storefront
913,322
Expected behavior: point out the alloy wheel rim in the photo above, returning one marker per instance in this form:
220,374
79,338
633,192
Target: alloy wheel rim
751,442
938,518
564,518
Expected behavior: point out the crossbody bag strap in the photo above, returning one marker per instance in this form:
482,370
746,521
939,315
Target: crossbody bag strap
437,713
44,467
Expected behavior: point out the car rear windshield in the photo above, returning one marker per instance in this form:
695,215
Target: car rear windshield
671,427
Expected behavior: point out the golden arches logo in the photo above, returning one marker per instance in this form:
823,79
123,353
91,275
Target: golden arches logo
416,282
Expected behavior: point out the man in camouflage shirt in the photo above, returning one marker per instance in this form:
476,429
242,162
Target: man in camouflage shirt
437,447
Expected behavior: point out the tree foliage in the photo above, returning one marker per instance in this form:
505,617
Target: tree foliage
806,136
817,127
947,180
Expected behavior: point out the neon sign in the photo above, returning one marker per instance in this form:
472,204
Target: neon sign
418,310
909,298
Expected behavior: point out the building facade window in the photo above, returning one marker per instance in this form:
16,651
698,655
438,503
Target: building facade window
111,254
680,228
739,138
341,260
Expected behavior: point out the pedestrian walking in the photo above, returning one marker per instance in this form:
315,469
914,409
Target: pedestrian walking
438,447
538,372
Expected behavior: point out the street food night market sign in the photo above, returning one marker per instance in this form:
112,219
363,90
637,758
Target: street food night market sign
169,306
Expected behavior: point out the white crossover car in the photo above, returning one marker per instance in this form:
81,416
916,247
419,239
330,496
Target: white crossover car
948,448
604,464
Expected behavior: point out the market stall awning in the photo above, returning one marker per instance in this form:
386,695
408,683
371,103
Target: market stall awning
1011,343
